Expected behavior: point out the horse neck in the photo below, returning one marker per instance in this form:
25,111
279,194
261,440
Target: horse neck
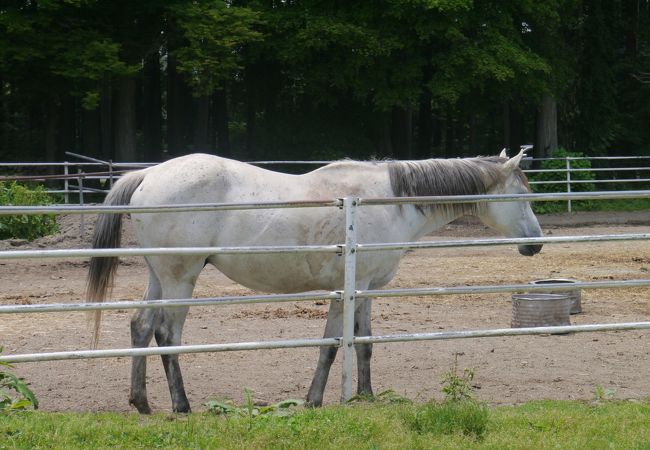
471,176
432,220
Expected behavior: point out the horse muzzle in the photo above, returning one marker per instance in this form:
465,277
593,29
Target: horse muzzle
530,250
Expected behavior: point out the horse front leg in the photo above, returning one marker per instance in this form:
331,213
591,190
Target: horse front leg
333,327
143,324
362,318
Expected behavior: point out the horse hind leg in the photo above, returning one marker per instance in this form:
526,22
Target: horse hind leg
143,323
364,351
170,326
333,328
168,334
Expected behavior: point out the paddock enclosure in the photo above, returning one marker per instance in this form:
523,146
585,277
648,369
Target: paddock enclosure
508,369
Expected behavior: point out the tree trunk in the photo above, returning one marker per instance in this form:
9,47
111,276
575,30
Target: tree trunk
90,134
423,147
67,125
401,133
383,146
152,120
630,13
201,125
437,136
425,126
251,113
4,139
473,140
515,130
106,120
175,110
220,106
51,127
450,135
546,133
506,126
125,120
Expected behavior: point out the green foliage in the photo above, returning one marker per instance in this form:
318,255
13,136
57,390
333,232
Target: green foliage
55,47
558,173
24,226
250,410
601,394
457,387
215,32
311,79
15,394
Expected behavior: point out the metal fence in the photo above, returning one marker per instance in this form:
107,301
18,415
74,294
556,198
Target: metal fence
348,295
75,177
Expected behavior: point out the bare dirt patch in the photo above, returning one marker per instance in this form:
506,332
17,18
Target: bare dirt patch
508,370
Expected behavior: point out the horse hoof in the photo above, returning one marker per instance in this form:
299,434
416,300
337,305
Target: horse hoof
313,404
142,407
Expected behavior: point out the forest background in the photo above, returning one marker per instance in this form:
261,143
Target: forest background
148,80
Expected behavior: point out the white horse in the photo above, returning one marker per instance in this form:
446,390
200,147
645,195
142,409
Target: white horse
201,178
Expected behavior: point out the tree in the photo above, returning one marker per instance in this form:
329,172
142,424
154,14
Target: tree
43,62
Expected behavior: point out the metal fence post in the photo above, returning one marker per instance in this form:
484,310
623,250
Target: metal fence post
350,205
110,173
568,180
81,202
66,185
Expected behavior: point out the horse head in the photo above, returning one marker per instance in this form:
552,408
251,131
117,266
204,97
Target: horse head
513,219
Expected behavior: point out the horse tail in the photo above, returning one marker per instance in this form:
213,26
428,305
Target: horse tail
108,234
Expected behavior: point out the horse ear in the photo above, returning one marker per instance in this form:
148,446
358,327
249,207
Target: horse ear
503,154
513,162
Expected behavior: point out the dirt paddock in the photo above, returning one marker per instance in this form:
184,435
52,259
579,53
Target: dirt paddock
508,369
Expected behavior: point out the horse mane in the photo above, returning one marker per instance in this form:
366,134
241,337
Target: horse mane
439,177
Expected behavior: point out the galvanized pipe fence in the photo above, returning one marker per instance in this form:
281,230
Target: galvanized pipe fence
348,295
113,170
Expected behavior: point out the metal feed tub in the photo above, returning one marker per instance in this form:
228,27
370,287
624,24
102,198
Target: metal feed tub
574,294
540,310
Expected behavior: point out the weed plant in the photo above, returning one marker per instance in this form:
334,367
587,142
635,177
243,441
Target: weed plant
458,412
15,394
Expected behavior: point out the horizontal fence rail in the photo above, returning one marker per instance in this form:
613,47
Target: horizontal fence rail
179,251
500,332
500,289
334,248
189,207
142,304
116,169
323,342
348,295
426,200
171,350
379,293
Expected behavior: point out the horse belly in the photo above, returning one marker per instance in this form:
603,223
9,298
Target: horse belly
283,273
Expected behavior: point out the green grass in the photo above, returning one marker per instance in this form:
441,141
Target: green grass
535,425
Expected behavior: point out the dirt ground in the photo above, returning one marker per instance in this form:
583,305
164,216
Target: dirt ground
508,369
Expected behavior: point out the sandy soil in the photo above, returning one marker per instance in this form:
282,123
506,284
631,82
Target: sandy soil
508,370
